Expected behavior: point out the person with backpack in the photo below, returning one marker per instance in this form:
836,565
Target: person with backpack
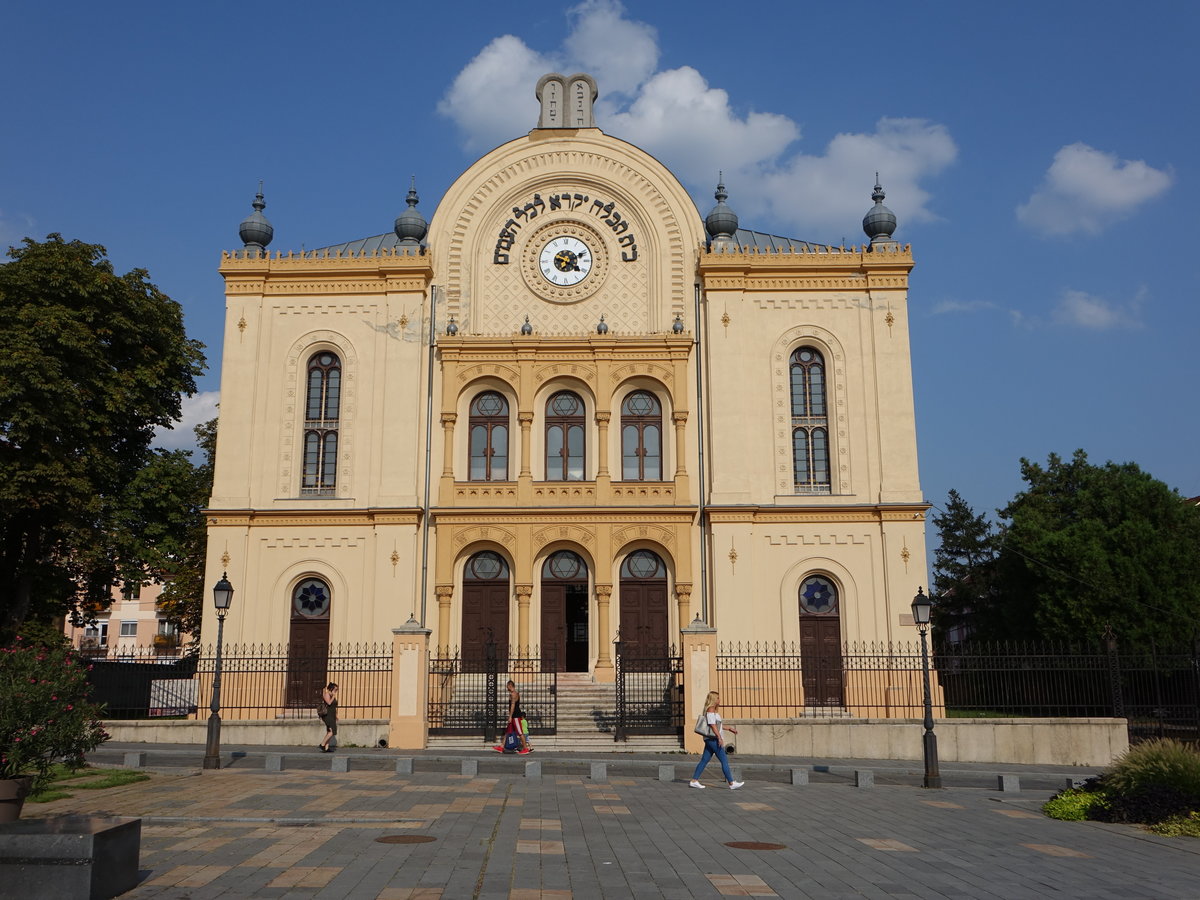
709,727
516,716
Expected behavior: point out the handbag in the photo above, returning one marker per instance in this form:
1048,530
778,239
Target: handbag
322,707
702,727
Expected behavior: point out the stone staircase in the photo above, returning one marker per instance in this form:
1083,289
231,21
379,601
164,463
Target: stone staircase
586,721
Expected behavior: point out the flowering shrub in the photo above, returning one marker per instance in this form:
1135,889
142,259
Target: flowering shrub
45,716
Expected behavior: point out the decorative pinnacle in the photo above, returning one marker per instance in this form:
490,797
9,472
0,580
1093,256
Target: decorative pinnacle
877,195
412,199
720,194
259,203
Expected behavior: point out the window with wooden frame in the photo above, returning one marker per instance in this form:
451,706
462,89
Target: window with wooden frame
565,460
488,438
641,437
321,418
810,422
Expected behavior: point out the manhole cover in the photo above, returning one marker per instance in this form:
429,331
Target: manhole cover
754,845
405,839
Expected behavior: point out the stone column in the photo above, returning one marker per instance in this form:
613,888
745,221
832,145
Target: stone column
683,600
682,482
602,420
524,592
525,479
448,420
699,677
605,672
444,593
409,727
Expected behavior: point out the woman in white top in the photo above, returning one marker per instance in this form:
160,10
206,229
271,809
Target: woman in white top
714,743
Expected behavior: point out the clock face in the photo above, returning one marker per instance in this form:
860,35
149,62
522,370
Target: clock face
565,261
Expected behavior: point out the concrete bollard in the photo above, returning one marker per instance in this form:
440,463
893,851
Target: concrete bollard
404,765
1071,784
274,762
1008,783
864,778
599,771
799,776
135,759
666,773
340,764
470,767
533,769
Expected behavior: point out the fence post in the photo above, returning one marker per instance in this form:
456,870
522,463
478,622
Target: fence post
1114,673
699,677
490,707
409,726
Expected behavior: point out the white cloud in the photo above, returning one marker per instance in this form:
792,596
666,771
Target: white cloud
962,306
1086,189
693,128
1082,310
196,409
12,230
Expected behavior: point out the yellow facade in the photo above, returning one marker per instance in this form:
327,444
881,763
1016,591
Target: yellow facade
705,326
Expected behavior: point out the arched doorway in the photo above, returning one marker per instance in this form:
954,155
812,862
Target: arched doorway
308,641
820,642
643,605
485,607
565,612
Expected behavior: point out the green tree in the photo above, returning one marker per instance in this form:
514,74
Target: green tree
93,362
1090,546
964,570
182,573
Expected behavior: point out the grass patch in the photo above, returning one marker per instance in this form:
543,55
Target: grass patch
64,781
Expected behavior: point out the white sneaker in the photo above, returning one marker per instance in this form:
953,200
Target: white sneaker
694,783
734,785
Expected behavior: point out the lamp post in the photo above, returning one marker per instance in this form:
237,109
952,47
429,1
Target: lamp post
922,606
222,597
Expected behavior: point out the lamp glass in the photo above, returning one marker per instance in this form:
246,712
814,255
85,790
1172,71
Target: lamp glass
922,606
222,593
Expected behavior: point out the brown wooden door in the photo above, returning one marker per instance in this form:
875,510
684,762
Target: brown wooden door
644,618
554,625
308,642
821,659
484,617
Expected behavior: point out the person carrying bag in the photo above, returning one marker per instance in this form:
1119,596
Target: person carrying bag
708,726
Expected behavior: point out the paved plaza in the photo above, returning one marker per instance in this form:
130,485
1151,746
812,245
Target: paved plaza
368,832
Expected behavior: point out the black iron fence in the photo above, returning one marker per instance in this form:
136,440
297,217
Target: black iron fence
467,695
649,690
258,681
1157,690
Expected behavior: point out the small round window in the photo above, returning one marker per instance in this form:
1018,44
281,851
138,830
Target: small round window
818,596
486,566
310,599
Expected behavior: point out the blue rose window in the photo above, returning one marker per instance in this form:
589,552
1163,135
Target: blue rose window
818,595
311,598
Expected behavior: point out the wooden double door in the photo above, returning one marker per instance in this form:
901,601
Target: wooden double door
565,644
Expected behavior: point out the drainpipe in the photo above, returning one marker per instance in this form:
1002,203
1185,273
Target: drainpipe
428,449
703,480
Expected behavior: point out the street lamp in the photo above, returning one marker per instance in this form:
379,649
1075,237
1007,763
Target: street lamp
222,597
922,606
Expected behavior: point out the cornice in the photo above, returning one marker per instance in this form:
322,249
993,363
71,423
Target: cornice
544,518
833,269
866,514
300,518
307,273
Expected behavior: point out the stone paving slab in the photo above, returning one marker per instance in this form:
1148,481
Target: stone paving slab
233,834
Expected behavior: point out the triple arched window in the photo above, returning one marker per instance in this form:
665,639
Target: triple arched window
322,411
810,422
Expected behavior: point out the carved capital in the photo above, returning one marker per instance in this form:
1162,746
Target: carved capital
525,418
683,590
449,419
679,418
523,592
603,418
444,592
603,592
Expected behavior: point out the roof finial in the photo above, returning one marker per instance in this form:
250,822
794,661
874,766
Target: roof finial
879,224
721,222
255,231
410,225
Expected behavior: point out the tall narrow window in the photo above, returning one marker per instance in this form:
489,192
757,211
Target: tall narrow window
641,437
564,437
810,423
321,414
489,438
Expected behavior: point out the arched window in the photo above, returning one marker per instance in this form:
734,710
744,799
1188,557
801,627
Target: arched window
564,437
321,414
641,437
489,438
810,423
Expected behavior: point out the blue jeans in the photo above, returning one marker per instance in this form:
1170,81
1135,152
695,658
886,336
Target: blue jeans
711,749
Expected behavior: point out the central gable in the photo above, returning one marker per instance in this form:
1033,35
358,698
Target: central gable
631,223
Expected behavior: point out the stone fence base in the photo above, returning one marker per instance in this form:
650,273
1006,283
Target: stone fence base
282,733
1065,742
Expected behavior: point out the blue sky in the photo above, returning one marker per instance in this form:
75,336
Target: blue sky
1041,159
